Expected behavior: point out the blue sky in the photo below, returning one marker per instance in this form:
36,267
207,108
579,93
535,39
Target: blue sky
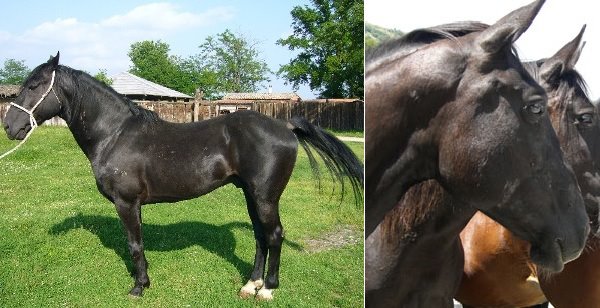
97,34
557,23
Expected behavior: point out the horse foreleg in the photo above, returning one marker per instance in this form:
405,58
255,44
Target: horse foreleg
131,217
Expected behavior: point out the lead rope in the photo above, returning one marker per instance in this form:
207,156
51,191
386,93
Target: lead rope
32,120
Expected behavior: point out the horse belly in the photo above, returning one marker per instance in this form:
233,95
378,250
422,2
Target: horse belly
185,181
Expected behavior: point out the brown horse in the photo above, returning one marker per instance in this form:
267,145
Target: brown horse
498,272
454,104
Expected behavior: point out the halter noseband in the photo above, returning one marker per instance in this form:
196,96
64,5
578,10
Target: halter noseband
32,120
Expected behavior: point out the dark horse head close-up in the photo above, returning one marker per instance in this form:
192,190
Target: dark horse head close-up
455,104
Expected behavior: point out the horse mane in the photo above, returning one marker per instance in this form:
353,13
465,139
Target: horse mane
93,83
415,39
425,199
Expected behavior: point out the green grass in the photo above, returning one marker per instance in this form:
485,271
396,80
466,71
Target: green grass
61,243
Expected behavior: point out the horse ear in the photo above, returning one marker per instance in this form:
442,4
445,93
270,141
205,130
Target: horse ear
54,60
563,60
508,29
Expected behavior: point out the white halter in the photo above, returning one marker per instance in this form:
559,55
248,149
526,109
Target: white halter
32,120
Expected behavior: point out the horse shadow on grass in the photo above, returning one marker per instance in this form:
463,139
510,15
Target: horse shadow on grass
219,240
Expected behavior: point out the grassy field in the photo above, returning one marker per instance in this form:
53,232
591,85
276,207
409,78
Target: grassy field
61,243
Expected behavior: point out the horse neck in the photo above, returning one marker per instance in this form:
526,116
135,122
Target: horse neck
93,113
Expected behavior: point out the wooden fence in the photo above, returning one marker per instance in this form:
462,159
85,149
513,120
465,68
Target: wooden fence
336,115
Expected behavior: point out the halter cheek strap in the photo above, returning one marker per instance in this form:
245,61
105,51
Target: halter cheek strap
32,120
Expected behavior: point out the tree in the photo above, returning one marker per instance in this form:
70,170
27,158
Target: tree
103,77
151,61
231,63
330,39
375,35
14,72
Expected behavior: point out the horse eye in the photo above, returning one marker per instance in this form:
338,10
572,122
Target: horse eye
535,108
586,118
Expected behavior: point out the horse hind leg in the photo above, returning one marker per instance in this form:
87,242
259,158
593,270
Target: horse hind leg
131,218
268,233
268,214
256,278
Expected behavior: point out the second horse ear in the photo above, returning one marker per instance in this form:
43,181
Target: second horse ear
54,60
563,60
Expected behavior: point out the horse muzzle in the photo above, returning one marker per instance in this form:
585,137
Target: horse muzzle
19,134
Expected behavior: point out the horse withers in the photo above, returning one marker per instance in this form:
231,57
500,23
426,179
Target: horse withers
454,106
139,159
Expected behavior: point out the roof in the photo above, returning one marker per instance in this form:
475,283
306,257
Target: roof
261,96
9,90
128,84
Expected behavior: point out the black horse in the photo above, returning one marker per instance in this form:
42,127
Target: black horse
139,159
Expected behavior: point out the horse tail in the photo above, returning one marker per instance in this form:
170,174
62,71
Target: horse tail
337,157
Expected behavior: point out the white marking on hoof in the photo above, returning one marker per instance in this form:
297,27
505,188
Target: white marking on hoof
249,289
264,294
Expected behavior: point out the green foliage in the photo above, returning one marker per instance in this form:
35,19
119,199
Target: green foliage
62,244
14,72
234,62
151,61
226,63
103,77
374,35
329,36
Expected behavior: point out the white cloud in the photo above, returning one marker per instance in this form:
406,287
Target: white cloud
165,17
90,45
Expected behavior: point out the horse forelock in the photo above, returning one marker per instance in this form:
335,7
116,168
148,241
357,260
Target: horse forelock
566,89
408,43
569,83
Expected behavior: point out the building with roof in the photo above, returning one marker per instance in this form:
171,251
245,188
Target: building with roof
137,88
8,92
232,102
262,97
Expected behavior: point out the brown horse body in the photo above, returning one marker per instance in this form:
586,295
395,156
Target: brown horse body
493,257
498,271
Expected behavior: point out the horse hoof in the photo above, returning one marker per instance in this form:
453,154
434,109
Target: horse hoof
249,289
246,293
264,294
136,291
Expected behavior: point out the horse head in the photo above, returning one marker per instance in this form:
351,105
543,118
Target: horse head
574,118
35,103
463,110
